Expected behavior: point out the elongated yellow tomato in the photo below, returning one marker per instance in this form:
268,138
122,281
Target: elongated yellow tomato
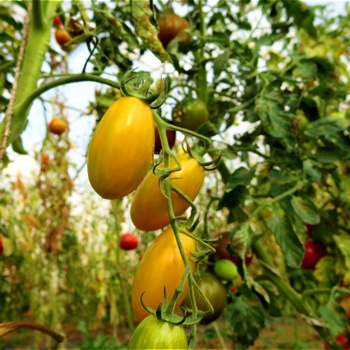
121,148
161,266
149,208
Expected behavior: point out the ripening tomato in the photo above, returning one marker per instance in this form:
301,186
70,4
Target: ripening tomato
214,291
62,37
149,208
1,245
171,136
121,148
171,25
190,114
44,158
313,253
343,341
153,333
128,241
57,126
161,266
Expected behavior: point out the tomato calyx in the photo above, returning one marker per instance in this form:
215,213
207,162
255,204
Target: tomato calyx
144,92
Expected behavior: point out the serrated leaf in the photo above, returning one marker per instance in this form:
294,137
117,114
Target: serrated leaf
326,126
245,320
240,176
292,248
142,14
306,210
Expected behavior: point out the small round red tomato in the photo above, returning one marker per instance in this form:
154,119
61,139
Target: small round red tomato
170,25
121,149
161,267
171,136
343,341
226,270
313,253
1,245
128,241
214,291
57,126
153,333
44,158
57,21
62,37
66,268
190,114
149,208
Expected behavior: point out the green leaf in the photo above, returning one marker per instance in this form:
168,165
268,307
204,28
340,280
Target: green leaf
220,63
233,198
245,321
240,176
240,239
292,248
142,15
310,171
330,154
306,210
333,314
343,243
326,126
324,271
281,177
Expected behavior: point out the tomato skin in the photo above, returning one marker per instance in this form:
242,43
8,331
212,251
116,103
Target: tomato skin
128,241
149,208
62,37
313,253
215,292
170,25
57,20
152,333
226,270
161,266
57,126
190,114
44,158
171,136
121,148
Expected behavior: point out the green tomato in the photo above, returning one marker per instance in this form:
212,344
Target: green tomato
153,333
190,114
214,291
226,270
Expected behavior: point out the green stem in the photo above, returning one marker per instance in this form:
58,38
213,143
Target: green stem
38,16
219,335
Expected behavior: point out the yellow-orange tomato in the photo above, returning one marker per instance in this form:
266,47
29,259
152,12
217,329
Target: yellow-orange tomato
57,126
121,148
62,37
149,208
161,266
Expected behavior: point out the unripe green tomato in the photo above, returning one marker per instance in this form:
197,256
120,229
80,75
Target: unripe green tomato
152,333
226,270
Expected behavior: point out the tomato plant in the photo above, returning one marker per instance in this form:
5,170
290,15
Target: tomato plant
62,37
128,241
57,126
190,114
313,253
214,291
153,333
226,270
160,267
121,148
171,25
149,210
171,136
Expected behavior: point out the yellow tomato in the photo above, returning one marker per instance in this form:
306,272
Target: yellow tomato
121,148
161,266
149,208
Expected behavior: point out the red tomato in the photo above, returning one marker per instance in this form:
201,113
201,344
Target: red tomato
44,158
1,245
310,229
57,20
313,253
342,339
171,135
128,241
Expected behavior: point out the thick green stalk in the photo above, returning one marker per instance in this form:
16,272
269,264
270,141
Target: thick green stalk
37,46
